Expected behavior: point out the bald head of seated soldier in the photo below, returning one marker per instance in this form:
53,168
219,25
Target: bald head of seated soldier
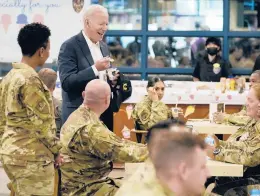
49,78
97,96
179,159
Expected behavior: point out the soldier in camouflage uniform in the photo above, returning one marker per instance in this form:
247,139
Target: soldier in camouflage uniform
89,148
29,144
239,118
243,147
49,78
151,110
161,174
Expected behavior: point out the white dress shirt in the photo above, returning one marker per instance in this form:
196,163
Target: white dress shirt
96,55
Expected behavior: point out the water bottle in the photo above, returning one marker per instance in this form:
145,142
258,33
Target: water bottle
209,140
255,192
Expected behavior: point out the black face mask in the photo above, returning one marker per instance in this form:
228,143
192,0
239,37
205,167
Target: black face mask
212,51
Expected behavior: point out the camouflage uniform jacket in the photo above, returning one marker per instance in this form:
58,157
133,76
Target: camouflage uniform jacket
89,149
239,119
57,114
147,113
27,111
144,182
141,183
243,147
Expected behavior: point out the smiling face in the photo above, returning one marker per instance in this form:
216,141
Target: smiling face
96,25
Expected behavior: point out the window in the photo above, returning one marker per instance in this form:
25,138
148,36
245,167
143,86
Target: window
174,52
123,14
244,15
243,52
186,15
125,50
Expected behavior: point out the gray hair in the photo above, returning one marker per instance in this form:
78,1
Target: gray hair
93,9
257,72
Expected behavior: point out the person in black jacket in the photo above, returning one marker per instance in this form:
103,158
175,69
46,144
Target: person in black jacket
210,67
84,57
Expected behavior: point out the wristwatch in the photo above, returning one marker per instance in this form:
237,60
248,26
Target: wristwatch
216,151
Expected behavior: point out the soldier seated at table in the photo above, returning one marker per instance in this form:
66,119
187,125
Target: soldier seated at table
151,109
89,148
176,158
243,147
241,117
147,168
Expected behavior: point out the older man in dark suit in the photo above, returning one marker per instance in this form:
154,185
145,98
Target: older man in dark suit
85,57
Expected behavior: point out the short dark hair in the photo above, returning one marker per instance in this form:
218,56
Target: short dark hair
32,37
213,40
162,125
153,80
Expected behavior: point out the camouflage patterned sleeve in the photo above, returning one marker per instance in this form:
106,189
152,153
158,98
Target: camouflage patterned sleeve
239,118
245,152
40,113
57,115
107,145
150,115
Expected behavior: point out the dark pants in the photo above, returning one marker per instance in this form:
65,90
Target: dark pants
59,185
219,136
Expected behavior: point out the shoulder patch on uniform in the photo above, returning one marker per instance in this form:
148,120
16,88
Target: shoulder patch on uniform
125,87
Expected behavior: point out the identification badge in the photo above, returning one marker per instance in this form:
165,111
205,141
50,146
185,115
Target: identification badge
216,68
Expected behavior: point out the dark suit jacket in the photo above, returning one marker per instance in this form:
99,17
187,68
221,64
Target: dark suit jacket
75,72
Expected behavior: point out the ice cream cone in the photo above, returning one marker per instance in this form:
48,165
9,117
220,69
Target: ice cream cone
189,110
6,26
129,111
